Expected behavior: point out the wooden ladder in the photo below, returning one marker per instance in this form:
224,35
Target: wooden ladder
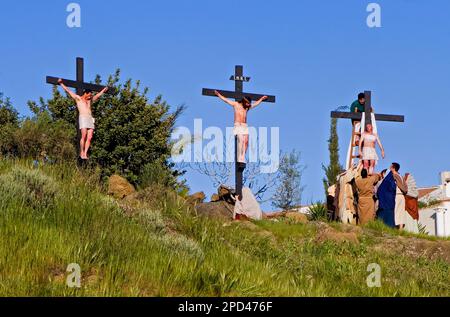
354,145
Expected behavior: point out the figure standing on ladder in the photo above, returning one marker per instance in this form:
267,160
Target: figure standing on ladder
240,121
358,106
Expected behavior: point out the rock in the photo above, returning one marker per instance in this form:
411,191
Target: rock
218,210
296,217
196,198
119,187
226,194
215,198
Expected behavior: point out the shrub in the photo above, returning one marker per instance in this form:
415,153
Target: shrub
31,187
318,212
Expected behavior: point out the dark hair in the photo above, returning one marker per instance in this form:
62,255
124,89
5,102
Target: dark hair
396,166
361,96
383,171
87,91
364,173
246,99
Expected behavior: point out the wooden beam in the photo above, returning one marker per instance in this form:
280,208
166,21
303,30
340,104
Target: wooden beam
236,95
358,116
368,106
82,86
80,75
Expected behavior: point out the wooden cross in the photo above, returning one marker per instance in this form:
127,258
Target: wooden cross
368,111
357,116
80,86
79,83
238,94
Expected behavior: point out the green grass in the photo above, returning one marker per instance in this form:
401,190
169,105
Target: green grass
57,215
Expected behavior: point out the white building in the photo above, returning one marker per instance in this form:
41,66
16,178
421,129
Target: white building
436,215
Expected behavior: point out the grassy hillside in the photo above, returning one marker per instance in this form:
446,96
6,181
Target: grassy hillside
154,245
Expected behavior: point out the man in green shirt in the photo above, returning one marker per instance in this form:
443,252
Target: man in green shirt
359,105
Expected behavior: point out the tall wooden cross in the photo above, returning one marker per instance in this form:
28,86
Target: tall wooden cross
238,94
357,116
79,85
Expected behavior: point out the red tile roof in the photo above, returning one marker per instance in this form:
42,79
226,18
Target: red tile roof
425,191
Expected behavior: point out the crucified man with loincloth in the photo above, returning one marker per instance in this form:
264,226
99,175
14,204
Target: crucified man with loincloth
240,130
86,121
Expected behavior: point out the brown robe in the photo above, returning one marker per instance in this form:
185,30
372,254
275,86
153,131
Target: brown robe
366,204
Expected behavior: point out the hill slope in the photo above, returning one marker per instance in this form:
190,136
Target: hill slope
153,245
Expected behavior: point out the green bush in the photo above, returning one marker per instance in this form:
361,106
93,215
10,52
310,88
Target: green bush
318,212
31,187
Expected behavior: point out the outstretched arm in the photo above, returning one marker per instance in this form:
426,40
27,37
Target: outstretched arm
100,94
381,146
70,92
256,104
228,101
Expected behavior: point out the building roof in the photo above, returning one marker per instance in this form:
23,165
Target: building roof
425,191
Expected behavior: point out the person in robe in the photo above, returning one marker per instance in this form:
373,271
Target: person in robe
247,207
365,185
400,203
412,204
331,199
377,185
367,149
240,121
346,211
386,200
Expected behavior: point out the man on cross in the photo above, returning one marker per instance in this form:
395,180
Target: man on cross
86,121
241,109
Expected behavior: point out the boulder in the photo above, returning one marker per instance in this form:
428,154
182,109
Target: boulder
218,210
119,187
296,217
226,194
196,198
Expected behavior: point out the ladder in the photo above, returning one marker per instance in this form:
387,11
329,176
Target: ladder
353,151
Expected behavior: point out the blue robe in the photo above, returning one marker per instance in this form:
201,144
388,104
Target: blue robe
386,196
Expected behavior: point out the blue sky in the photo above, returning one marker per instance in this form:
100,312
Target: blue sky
313,55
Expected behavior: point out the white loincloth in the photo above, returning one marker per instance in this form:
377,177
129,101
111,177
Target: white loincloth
86,122
240,129
369,154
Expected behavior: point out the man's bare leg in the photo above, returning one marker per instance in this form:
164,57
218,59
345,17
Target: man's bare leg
245,147
366,165
83,142
240,147
90,134
372,167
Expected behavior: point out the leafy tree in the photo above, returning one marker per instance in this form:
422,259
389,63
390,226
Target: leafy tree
334,168
289,191
8,115
9,123
131,131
